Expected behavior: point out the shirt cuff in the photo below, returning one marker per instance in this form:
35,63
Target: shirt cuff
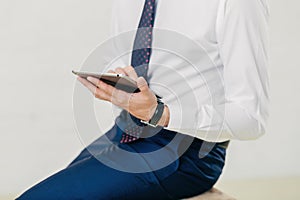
175,117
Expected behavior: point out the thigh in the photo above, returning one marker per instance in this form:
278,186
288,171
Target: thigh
139,156
103,142
195,175
90,179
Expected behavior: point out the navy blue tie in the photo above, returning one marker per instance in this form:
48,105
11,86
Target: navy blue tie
140,61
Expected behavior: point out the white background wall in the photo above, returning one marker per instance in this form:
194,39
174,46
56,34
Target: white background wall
41,41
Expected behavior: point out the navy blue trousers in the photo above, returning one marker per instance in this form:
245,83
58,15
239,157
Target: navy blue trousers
102,170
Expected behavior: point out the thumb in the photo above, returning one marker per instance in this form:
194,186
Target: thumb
142,84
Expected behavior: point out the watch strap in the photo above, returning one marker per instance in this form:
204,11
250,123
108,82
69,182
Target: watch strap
157,114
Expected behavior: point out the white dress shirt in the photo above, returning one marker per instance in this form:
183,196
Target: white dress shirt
234,36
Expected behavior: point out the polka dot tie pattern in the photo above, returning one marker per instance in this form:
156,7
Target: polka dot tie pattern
140,60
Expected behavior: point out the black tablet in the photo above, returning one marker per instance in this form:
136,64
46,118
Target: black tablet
118,81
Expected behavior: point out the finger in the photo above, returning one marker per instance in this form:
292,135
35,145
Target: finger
142,84
93,80
120,71
98,93
101,94
131,72
110,90
111,71
121,99
87,84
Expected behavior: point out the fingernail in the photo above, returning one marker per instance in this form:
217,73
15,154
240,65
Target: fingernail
89,78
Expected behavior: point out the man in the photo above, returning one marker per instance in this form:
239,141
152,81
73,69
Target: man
233,35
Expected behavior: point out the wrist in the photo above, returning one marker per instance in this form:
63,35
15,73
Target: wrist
160,116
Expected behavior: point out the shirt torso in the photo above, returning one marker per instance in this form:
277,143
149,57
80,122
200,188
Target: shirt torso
186,66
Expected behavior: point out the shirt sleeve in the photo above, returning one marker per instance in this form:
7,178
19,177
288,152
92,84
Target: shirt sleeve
243,42
242,36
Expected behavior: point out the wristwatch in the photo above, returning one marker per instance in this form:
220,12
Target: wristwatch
157,114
